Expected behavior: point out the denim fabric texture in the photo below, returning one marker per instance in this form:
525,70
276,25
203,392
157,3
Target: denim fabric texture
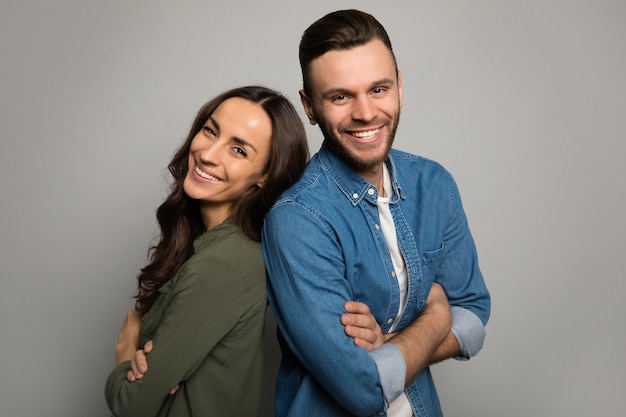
323,246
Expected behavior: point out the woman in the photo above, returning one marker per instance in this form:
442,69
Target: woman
202,298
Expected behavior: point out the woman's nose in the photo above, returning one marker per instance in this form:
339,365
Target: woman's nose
211,153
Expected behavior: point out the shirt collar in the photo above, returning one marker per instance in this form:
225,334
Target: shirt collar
353,186
215,233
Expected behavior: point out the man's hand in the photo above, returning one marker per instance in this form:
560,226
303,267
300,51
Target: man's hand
128,339
360,324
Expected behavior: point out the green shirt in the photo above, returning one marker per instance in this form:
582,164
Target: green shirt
207,327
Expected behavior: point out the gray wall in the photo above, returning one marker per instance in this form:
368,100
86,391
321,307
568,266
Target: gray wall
524,102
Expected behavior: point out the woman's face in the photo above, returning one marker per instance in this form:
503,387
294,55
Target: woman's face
228,157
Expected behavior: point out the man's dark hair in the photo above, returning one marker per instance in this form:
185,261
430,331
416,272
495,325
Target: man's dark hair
342,29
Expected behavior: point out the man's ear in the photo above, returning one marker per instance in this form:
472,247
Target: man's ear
308,107
400,86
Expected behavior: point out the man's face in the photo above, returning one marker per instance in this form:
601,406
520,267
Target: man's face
356,95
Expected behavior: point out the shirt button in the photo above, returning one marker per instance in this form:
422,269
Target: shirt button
390,320
376,226
355,196
370,191
393,274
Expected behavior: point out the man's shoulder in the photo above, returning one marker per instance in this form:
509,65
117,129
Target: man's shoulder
407,161
308,183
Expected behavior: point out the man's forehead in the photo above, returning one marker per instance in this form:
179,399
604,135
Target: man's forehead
351,68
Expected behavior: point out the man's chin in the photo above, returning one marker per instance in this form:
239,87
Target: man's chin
361,162
358,160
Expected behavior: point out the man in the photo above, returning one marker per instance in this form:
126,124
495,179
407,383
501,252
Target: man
376,227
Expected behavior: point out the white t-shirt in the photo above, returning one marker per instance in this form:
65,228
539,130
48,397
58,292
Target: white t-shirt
400,407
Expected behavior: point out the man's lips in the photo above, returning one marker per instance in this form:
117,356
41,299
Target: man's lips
365,136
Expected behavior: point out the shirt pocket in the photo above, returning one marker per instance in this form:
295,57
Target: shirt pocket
430,263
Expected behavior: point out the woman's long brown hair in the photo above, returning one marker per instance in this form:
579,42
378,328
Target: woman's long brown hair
179,216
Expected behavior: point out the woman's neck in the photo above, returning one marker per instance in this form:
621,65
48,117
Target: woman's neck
213,215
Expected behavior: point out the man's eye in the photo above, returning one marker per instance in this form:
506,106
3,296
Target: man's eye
340,97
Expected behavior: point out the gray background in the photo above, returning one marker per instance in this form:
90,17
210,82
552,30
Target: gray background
524,102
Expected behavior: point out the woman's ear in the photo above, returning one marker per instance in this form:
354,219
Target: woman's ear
261,182
308,108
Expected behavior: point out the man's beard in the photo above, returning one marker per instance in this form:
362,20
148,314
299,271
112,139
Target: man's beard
350,158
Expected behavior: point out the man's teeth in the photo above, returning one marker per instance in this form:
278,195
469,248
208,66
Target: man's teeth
206,176
366,133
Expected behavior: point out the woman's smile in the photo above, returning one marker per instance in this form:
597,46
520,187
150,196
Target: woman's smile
205,175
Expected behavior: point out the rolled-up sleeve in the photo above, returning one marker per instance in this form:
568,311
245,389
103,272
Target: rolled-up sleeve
390,363
469,332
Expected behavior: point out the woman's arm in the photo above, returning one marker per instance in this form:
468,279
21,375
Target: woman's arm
128,340
139,365
185,334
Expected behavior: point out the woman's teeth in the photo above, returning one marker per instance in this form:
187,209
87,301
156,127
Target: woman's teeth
205,175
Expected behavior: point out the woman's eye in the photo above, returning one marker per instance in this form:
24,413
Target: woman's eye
240,151
209,131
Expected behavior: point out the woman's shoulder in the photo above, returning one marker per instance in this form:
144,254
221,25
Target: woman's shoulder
227,259
234,247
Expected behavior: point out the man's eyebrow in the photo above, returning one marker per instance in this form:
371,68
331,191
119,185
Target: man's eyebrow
342,90
236,139
382,81
335,91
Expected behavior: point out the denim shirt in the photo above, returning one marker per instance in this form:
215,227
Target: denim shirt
323,246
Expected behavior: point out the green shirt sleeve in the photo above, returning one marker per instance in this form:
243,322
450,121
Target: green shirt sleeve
194,312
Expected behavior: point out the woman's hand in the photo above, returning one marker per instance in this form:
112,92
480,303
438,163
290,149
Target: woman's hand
139,365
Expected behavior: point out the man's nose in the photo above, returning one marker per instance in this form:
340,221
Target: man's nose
363,109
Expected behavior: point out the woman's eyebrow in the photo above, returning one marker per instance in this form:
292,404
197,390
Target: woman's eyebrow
238,140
